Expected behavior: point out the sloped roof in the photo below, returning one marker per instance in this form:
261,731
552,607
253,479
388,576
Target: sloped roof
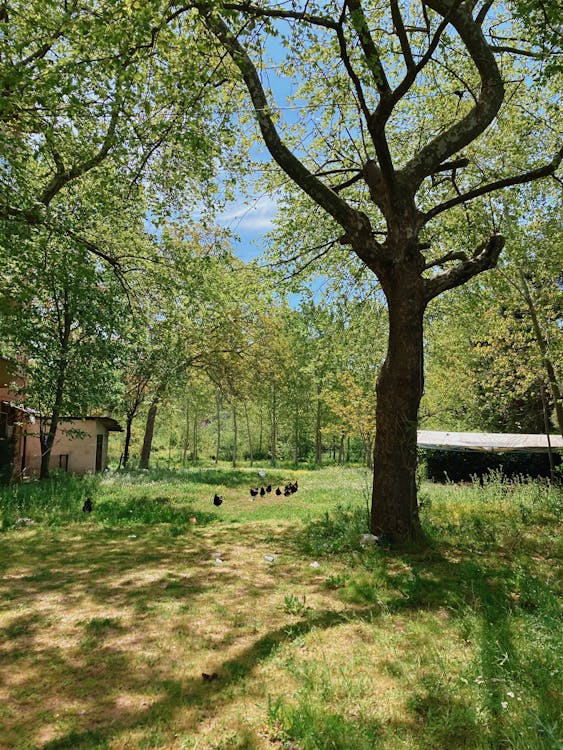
490,442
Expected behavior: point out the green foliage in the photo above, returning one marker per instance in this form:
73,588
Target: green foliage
485,366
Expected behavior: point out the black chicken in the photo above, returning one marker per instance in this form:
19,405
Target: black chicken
217,500
253,492
87,507
262,492
278,491
269,488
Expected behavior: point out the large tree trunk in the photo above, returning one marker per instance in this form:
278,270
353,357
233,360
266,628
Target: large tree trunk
149,432
394,512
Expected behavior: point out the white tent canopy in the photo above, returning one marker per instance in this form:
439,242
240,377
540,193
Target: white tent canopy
490,442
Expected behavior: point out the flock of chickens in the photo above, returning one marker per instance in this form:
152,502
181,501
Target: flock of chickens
289,489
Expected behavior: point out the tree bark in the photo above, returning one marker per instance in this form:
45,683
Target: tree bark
296,436
47,439
274,434
218,447
542,346
127,441
195,437
318,435
235,437
149,432
400,385
248,430
187,435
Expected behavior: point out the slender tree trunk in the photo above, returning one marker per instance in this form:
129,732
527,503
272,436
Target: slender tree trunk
235,437
249,432
547,435
274,427
195,454
187,435
261,433
127,441
318,435
341,450
47,439
348,450
218,447
369,452
542,345
296,436
149,432
394,510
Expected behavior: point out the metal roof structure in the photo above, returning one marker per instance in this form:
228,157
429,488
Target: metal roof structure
488,442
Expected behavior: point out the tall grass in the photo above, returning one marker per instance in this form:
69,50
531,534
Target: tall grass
52,502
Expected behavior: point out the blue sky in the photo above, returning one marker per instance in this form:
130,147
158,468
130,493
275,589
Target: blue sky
249,220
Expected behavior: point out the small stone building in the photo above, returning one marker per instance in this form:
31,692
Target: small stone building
81,443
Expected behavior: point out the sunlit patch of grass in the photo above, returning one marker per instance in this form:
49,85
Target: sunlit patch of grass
111,624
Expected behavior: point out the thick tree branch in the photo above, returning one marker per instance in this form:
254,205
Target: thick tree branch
455,164
459,255
401,33
480,17
258,12
352,221
521,179
489,101
485,256
411,75
351,72
371,53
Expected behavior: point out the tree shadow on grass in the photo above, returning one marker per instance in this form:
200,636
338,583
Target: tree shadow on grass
173,694
106,676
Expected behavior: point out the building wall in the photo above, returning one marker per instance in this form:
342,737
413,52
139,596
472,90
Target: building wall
74,449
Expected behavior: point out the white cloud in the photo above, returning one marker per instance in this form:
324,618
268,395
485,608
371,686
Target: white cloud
256,217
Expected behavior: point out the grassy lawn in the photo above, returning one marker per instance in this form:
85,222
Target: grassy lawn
108,620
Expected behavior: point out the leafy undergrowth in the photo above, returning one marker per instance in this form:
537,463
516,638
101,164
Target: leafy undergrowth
308,640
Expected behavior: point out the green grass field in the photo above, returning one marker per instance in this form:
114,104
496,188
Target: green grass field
109,619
